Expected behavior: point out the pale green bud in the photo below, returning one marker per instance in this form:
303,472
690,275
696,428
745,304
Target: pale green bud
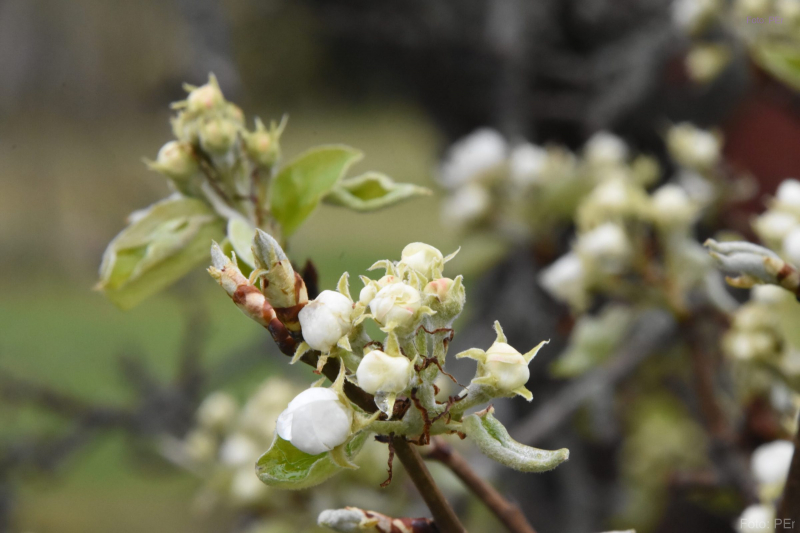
693,147
507,366
423,258
218,135
283,287
175,160
205,98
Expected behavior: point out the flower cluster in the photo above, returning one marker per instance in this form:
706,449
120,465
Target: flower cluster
414,307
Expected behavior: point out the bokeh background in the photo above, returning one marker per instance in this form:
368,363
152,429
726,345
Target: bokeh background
85,88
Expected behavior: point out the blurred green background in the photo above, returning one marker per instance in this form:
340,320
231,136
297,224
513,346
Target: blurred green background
84,95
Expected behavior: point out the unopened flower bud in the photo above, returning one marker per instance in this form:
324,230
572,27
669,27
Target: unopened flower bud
176,160
395,304
205,97
423,258
473,156
217,411
606,245
526,164
316,421
325,320
218,135
770,462
693,147
381,372
788,193
261,147
200,446
239,450
507,366
564,279
773,226
672,207
705,62
791,246
466,205
439,288
605,148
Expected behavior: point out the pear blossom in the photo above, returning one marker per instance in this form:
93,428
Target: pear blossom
606,244
791,246
316,421
788,193
395,304
176,160
473,155
217,411
770,462
381,372
507,366
692,146
466,205
239,449
605,148
564,279
775,225
672,206
423,258
526,163
325,320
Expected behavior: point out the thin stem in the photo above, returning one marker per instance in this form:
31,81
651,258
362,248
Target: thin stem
508,513
789,510
443,514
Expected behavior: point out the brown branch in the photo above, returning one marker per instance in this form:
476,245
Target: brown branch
508,513
443,514
789,510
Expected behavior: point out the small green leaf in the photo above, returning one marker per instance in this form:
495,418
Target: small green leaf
241,235
372,191
494,441
301,184
780,60
162,243
284,466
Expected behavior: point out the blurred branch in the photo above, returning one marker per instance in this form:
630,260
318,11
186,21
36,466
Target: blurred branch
508,513
651,333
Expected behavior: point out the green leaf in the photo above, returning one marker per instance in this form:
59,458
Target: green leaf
161,244
284,466
300,185
241,235
372,191
494,441
780,60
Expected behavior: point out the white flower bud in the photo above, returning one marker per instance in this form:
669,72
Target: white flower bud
607,245
705,62
466,205
471,156
423,258
756,517
612,194
788,193
217,411
564,279
200,446
774,226
526,164
176,160
507,366
770,462
325,320
770,294
316,421
381,372
371,289
245,486
693,147
395,304
604,148
672,206
791,246
239,450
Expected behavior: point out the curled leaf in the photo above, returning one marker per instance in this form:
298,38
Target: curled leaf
284,466
372,191
161,244
492,438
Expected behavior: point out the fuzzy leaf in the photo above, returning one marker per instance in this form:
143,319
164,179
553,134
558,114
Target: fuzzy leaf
162,243
301,184
493,440
284,466
372,191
